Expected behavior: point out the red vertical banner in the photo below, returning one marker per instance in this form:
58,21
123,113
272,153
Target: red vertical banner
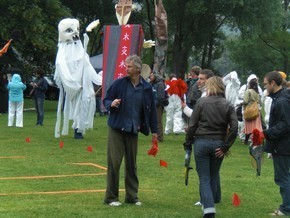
123,51
119,42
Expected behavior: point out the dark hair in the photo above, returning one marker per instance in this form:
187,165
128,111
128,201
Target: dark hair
195,70
254,85
274,75
172,75
208,73
39,71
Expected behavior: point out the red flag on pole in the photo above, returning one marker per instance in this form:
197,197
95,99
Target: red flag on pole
5,48
61,144
90,148
163,163
236,200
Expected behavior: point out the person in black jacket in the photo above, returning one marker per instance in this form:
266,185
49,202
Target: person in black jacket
39,88
3,94
278,137
158,87
213,127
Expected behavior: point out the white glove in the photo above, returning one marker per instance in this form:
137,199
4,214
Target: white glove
92,25
148,43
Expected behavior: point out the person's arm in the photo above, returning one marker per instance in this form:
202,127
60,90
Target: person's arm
187,111
283,125
193,122
231,135
246,97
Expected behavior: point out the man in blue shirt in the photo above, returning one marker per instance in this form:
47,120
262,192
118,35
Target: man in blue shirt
131,107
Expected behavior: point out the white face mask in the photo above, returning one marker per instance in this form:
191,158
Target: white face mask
68,30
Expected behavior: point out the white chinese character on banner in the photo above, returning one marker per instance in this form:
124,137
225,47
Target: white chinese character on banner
128,26
120,75
126,37
122,64
124,50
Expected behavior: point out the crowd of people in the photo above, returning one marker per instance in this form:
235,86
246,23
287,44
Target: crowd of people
203,108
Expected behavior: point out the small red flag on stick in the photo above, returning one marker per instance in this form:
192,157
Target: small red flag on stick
163,163
89,148
61,144
236,200
28,140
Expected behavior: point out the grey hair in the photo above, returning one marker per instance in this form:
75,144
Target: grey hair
136,61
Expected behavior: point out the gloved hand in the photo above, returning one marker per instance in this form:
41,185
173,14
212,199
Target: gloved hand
187,145
148,43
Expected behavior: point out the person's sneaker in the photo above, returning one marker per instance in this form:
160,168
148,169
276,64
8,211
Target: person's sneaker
277,213
115,204
138,203
198,203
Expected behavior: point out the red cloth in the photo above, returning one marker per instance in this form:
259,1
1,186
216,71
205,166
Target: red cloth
236,200
154,148
163,163
28,140
89,148
177,87
258,137
61,143
119,42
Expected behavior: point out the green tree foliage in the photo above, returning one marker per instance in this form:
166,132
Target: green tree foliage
36,21
264,44
196,30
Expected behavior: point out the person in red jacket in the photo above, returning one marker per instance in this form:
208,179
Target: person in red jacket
177,89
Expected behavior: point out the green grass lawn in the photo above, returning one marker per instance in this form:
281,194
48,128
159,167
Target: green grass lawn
39,179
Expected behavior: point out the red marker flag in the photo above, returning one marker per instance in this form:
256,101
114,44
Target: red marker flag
89,148
28,140
154,148
163,163
61,144
236,200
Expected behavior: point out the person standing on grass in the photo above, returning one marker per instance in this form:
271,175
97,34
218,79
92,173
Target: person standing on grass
3,94
16,88
213,127
252,95
131,106
39,89
278,137
158,87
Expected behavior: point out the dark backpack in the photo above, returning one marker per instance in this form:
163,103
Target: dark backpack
165,99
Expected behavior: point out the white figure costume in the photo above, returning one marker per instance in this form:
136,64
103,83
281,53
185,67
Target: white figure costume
74,75
232,84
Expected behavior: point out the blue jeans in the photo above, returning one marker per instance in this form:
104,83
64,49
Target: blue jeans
282,179
208,168
39,110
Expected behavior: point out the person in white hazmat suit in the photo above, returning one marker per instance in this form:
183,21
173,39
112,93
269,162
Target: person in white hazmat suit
74,75
232,83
